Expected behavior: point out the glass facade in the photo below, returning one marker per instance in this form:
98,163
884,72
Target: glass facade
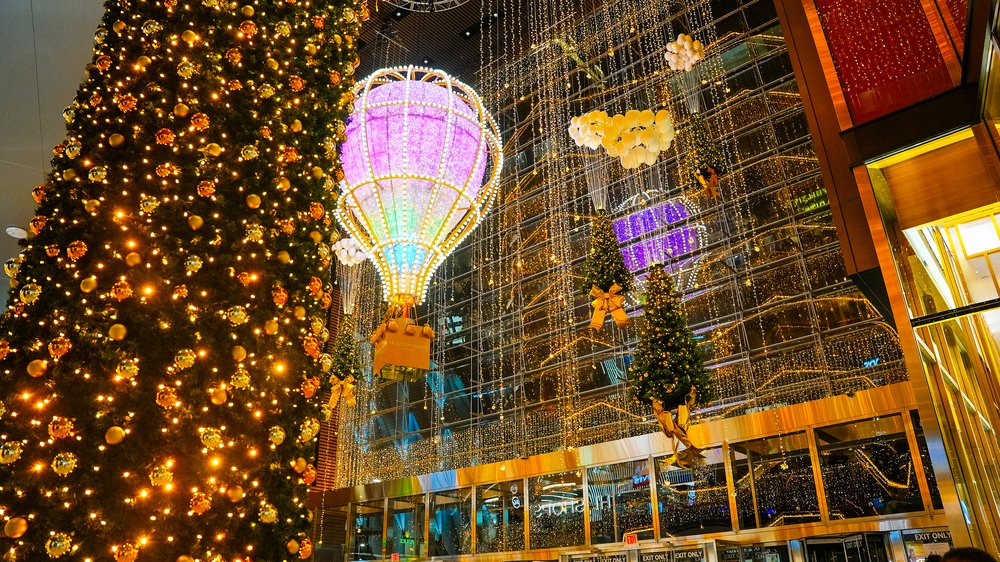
516,369
826,473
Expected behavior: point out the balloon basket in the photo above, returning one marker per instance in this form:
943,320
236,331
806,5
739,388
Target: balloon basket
402,350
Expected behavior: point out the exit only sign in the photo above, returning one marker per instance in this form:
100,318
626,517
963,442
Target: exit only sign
631,539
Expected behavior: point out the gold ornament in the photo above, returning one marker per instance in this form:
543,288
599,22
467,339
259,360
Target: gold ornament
255,233
148,204
126,103
247,11
184,558
213,149
15,527
310,49
195,222
248,29
117,332
38,193
52,250
240,379
64,464
116,140
268,513
59,347
60,428
76,249
181,110
127,369
308,430
311,346
248,152
325,362
127,552
234,56
151,26
166,397
310,386
271,327
30,293
239,353
114,435
38,367
283,27
253,201
206,188
292,546
192,264
185,358
88,284
296,83
218,396
305,549
10,452
58,544
309,474
161,475
121,290
189,37
11,266
91,205
164,136
211,438
97,173
237,315
235,494
276,435
186,70
200,503
279,295
318,22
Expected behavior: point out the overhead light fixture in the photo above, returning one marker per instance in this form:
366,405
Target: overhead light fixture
16,232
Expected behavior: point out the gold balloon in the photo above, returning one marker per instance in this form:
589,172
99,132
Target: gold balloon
218,396
117,332
38,367
114,435
15,527
88,284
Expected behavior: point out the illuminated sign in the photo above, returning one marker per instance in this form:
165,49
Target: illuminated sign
560,507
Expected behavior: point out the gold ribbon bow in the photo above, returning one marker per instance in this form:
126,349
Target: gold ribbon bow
605,302
343,388
676,430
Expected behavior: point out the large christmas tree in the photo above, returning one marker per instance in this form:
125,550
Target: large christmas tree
605,265
161,356
667,361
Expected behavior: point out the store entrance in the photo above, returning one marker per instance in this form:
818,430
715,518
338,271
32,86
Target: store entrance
861,547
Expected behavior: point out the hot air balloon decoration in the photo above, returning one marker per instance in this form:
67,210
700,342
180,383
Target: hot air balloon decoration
421,161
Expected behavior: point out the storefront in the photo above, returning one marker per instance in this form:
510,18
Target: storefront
843,479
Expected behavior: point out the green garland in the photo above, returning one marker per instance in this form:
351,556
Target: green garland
667,360
605,265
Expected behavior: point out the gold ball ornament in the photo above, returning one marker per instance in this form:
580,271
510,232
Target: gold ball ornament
296,127
206,188
38,367
308,430
239,353
284,184
218,396
211,438
64,464
91,205
88,285
118,26
161,476
68,175
299,465
284,257
240,379
181,110
166,397
184,558
133,259
235,493
271,327
58,544
127,369
316,236
255,233
272,64
30,293
300,312
318,172
116,140
305,549
76,249
121,290
192,264
185,358
117,332
127,552
189,36
277,435
253,201
195,222
11,266
10,452
268,513
97,173
15,527
237,315
247,11
59,346
325,362
292,546
213,149
60,428
114,435
310,49
200,503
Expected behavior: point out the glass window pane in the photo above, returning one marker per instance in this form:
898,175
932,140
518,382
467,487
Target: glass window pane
500,517
619,502
404,534
867,468
774,481
925,456
451,523
555,504
693,501
366,543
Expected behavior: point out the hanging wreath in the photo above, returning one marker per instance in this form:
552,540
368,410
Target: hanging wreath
668,367
704,159
605,273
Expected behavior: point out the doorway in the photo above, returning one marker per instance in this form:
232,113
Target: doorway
861,547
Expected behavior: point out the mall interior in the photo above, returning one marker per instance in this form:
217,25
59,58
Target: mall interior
843,280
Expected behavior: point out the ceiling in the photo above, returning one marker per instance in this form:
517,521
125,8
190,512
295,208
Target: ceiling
45,45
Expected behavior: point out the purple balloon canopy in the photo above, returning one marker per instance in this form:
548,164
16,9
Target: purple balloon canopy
417,149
